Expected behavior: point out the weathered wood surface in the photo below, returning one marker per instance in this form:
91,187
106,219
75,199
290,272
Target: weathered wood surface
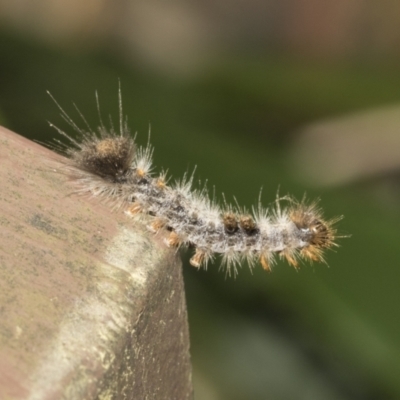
91,305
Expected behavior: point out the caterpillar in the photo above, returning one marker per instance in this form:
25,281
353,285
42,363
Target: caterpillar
107,163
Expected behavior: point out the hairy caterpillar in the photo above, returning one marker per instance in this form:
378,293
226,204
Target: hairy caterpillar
106,163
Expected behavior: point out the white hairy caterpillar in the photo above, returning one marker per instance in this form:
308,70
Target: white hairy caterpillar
106,163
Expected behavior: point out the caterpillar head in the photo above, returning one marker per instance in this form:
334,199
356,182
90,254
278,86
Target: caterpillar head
109,157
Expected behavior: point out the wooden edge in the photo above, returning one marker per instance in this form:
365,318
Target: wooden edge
92,306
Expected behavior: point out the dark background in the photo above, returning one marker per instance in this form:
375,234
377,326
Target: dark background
300,95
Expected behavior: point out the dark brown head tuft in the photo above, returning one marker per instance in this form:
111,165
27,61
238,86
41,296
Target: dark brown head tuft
109,158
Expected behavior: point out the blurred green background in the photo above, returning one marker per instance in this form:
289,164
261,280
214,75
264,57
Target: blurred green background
249,93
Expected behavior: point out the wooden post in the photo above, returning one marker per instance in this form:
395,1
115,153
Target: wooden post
92,306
